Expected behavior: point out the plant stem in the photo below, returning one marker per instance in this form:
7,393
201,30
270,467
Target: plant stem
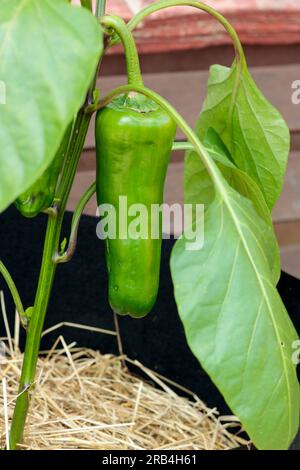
182,146
100,11
68,254
132,58
46,278
163,4
14,292
100,8
239,52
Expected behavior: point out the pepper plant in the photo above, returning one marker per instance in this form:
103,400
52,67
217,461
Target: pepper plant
234,319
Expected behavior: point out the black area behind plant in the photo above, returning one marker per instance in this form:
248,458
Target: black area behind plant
157,341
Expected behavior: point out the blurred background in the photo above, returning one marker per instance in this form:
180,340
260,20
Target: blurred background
177,47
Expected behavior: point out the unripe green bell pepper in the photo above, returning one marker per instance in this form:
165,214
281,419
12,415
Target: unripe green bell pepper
134,138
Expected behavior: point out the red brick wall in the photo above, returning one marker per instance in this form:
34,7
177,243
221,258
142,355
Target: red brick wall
256,21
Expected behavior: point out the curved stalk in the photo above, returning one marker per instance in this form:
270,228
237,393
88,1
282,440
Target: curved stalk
69,253
14,293
163,4
118,25
239,51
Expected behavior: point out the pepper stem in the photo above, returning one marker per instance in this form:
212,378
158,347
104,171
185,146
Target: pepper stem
118,25
100,8
239,52
68,254
163,4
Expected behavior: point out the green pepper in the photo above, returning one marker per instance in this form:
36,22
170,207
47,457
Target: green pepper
41,194
134,139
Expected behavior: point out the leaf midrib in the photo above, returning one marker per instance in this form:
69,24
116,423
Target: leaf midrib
222,191
261,285
224,195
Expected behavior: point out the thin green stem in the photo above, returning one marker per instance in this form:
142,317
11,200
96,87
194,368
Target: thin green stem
116,24
100,8
100,11
14,293
69,253
177,146
33,339
163,4
46,278
239,52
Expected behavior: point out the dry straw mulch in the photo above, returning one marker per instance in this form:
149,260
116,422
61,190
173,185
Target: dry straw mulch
83,399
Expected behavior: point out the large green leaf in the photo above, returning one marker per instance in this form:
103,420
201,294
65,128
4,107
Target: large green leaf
234,319
253,130
199,187
48,54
